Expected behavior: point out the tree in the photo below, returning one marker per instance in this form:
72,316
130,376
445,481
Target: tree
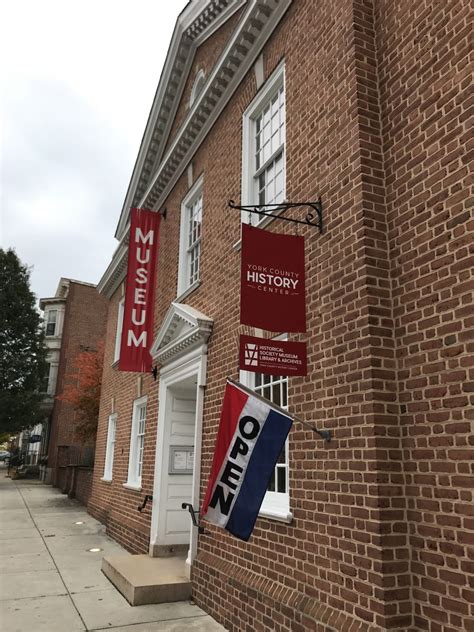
82,391
22,347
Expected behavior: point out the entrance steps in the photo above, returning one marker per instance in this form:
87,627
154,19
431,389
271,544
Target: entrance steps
143,579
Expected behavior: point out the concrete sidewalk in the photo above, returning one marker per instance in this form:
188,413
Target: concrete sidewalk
50,580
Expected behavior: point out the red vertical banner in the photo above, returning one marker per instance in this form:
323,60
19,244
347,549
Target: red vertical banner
272,290
137,331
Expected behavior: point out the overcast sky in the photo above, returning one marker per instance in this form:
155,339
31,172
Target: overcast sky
77,83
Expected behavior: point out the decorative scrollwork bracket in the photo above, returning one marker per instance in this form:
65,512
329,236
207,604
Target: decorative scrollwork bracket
314,212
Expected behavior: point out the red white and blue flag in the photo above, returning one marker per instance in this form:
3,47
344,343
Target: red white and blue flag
251,435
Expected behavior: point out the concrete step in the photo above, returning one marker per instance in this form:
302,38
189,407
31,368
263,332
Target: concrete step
143,579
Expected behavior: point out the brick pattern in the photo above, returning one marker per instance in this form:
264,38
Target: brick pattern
83,484
333,549
382,516
61,478
285,608
423,80
111,502
75,481
84,325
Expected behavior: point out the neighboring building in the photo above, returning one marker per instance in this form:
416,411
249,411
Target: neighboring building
53,318
35,453
74,322
365,104
30,441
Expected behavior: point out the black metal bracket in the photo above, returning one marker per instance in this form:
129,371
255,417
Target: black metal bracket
314,217
193,512
324,434
141,507
154,372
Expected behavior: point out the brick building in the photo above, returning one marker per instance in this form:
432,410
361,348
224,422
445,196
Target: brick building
74,322
365,104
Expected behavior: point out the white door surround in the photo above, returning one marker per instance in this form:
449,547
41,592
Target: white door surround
180,348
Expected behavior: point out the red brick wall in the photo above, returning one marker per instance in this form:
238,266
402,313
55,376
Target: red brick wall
423,79
62,478
331,558
84,325
375,124
111,502
83,484
75,481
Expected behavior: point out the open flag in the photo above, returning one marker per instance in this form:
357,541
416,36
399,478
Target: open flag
251,435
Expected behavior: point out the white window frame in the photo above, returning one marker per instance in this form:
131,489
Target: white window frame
276,505
49,321
47,379
53,378
185,285
137,444
198,85
251,114
110,448
118,332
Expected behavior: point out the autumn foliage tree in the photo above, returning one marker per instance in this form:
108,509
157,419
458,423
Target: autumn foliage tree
82,391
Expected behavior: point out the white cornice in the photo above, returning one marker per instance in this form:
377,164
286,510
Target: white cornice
184,328
254,29
197,22
256,25
49,301
115,272
209,28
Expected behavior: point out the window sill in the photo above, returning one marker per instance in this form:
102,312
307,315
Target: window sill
282,516
106,480
188,291
134,488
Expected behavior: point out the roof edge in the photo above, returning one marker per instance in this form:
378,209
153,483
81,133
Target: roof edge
198,21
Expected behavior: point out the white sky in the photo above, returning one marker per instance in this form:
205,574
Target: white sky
76,86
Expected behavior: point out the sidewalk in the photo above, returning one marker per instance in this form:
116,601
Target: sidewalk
50,580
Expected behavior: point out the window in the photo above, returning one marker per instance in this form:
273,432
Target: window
275,388
137,443
52,317
263,163
276,503
198,85
109,452
46,378
118,334
190,242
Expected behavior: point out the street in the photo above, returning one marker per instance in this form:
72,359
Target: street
50,577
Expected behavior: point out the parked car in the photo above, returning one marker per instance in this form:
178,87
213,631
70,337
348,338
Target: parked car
4,455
